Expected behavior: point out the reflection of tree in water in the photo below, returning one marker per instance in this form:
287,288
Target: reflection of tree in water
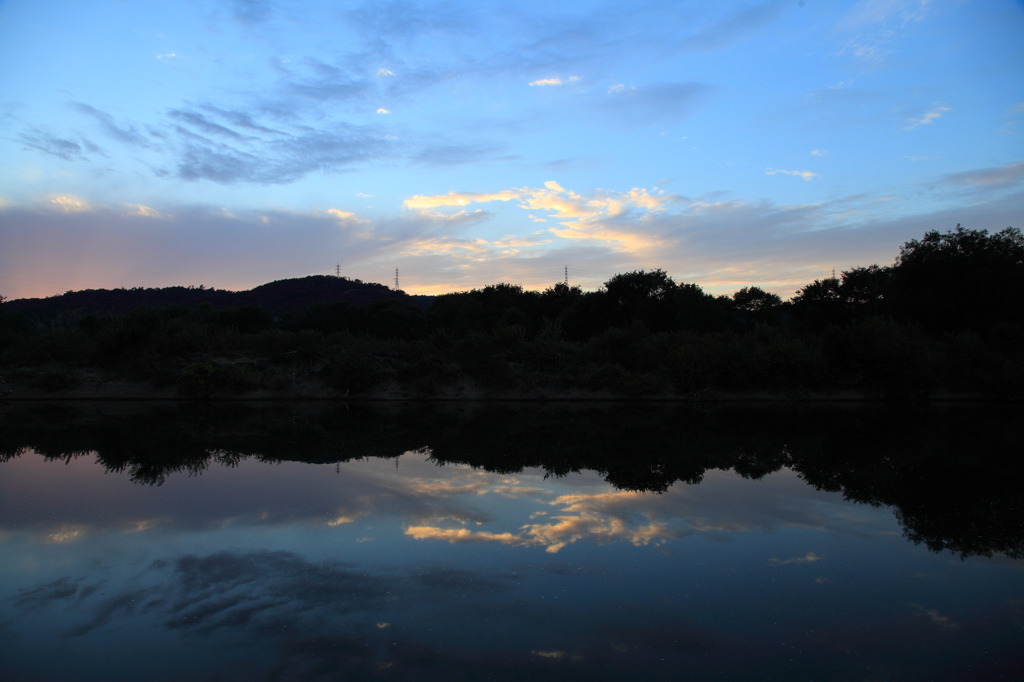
949,473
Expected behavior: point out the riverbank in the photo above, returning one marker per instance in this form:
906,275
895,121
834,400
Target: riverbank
312,390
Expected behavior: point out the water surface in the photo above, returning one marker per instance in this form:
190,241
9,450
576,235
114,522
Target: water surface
508,542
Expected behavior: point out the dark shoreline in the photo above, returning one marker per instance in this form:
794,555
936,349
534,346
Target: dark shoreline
129,391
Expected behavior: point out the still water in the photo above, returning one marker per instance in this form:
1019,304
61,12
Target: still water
509,542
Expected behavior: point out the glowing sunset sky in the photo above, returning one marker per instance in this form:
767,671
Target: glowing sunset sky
237,142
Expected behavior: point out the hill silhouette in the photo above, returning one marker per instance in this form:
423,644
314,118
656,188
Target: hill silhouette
278,297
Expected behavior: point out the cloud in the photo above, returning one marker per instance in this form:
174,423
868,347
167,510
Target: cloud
459,240
252,12
331,88
62,148
145,212
70,204
453,198
122,132
597,217
640,105
455,154
241,119
459,535
727,31
280,161
1009,176
403,22
644,520
280,615
935,617
541,82
76,245
382,110
345,216
896,12
934,114
806,175
877,25
808,558
204,124
471,249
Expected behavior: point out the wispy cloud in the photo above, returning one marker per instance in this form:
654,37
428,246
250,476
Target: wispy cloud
62,148
541,82
125,133
252,11
459,535
1008,176
579,217
70,204
426,202
640,105
808,558
804,174
203,123
876,27
272,161
456,154
345,216
935,617
934,114
725,32
144,211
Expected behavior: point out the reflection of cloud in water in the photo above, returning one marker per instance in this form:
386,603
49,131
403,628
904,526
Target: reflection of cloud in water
78,499
315,620
66,534
455,535
723,503
810,557
936,618
438,503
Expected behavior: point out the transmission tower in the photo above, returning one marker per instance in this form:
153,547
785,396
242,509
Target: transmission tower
337,270
566,275
396,279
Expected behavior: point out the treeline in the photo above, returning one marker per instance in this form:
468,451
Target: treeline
912,459
945,317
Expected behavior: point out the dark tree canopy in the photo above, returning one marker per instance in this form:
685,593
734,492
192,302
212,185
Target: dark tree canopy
634,288
960,279
755,299
946,315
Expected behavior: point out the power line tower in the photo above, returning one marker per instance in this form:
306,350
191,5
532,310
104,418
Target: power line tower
566,275
337,270
396,280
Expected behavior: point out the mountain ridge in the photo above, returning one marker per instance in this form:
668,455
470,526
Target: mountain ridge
279,296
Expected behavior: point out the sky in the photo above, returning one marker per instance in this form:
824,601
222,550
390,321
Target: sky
230,143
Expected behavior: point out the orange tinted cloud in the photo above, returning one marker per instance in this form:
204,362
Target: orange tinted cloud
597,217
70,204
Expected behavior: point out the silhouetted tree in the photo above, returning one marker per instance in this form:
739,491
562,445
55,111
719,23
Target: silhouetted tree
820,303
961,279
641,295
865,287
755,299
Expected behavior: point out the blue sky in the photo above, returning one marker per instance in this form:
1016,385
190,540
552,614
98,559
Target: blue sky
230,143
